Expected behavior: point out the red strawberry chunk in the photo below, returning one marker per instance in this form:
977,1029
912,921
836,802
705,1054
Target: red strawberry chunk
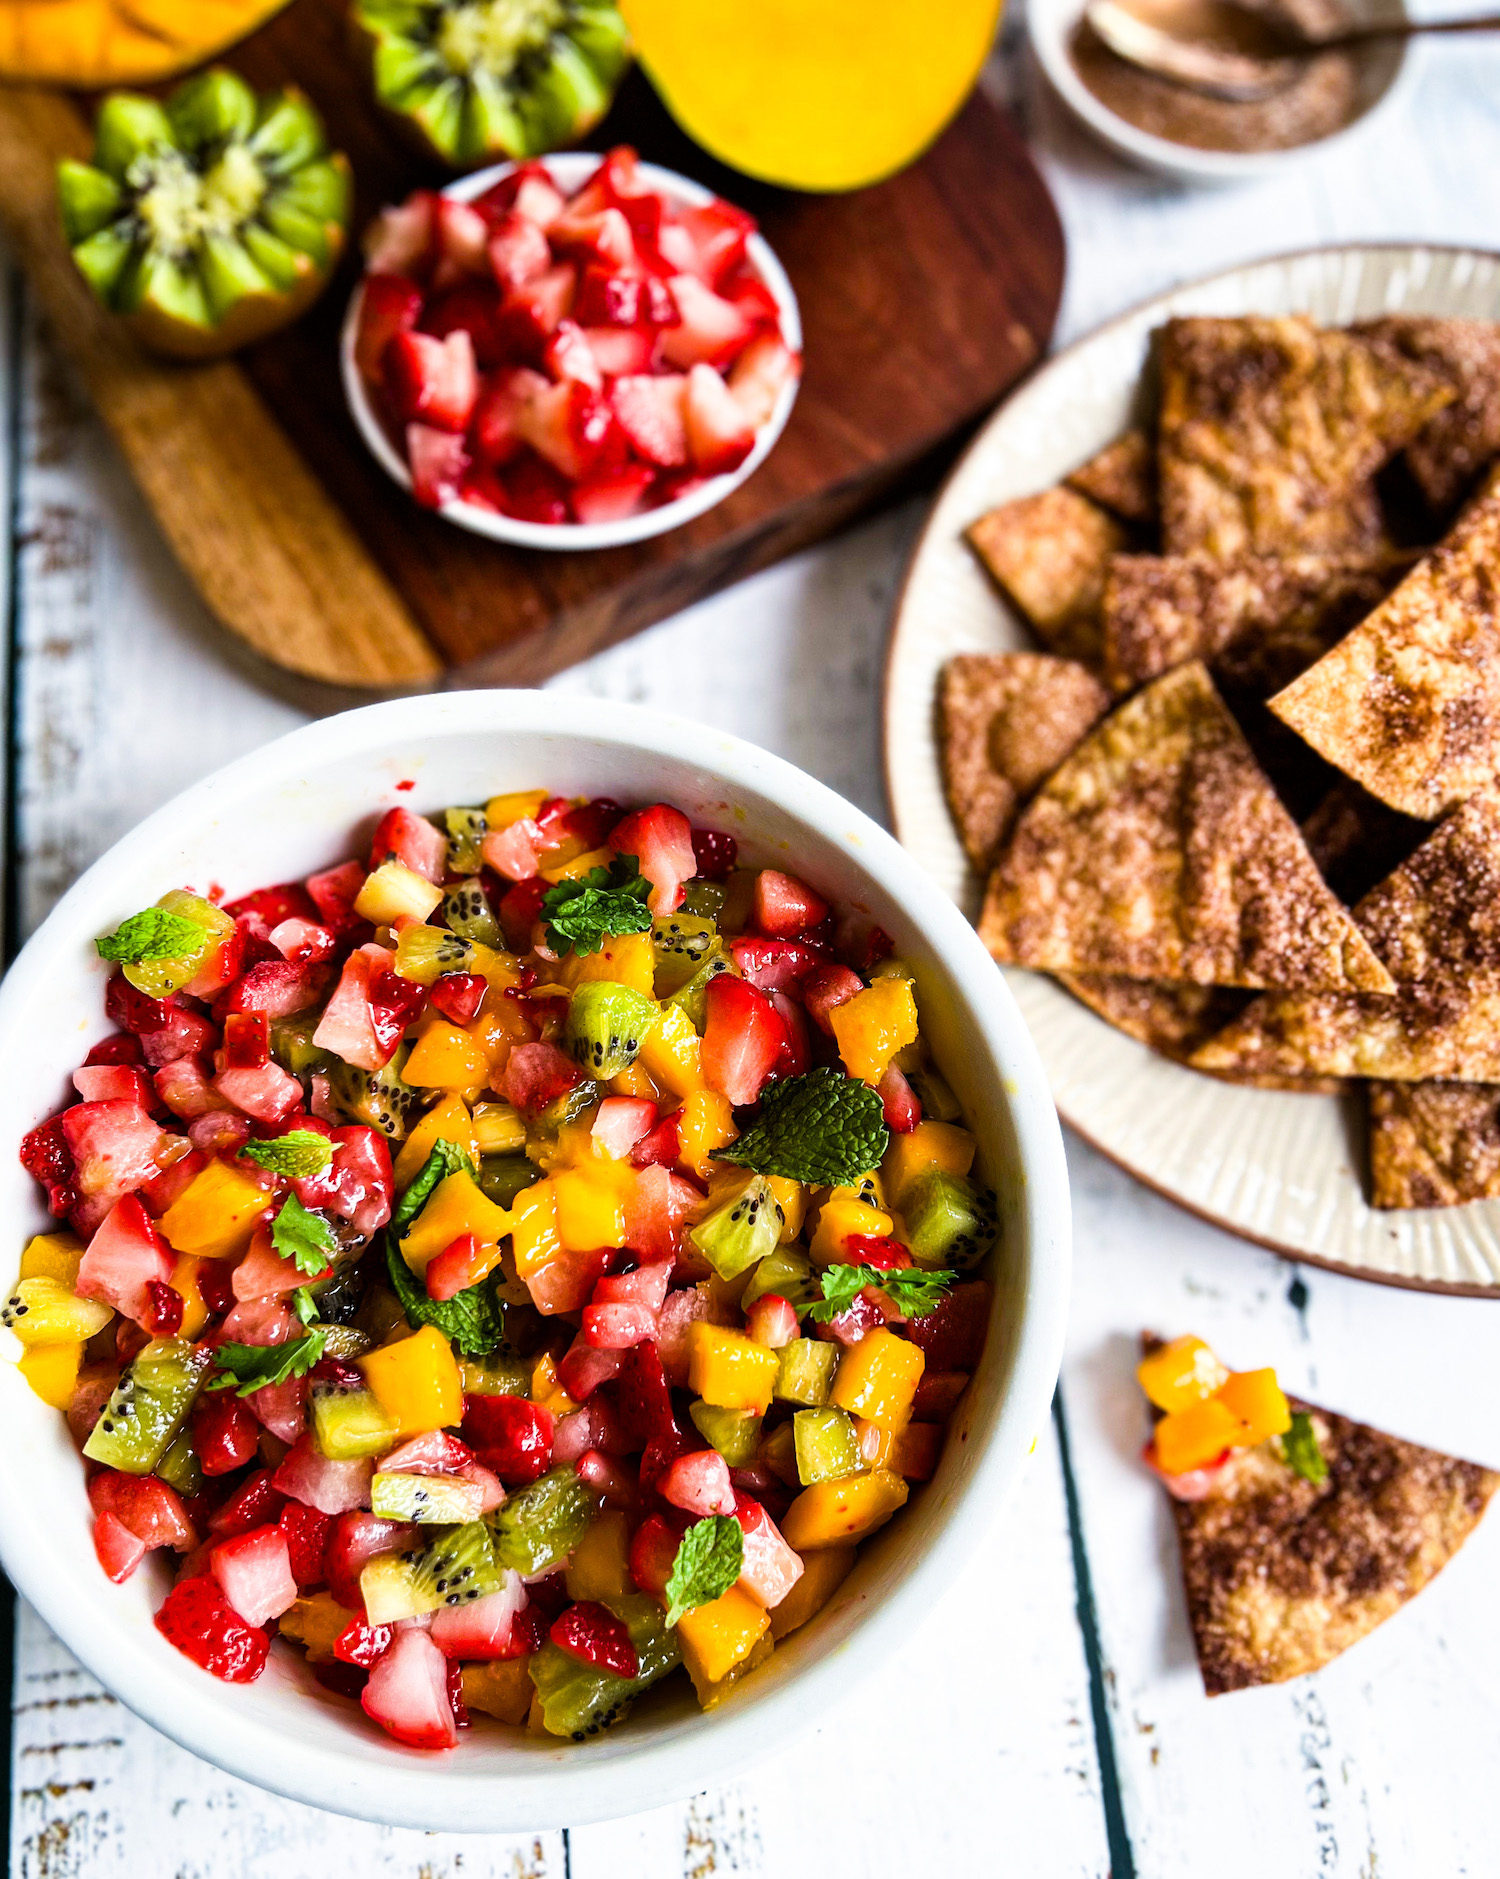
494,433
662,1147
433,381
603,236
878,1250
278,987
333,894
225,1433
124,1255
402,238
710,329
164,1308
303,942
389,304
115,1083
759,376
490,1628
346,1027
650,413
569,355
620,1122
742,1039
581,1369
267,1094
458,996
903,1109
152,1511
592,1633
407,1693
247,1040
785,906
119,1551
199,1620
699,1483
513,1436
528,190
621,350
356,1539
826,988
46,1157
611,495
719,435
618,1327
395,1002
661,839
653,1551
362,1643
534,492
333,1487
459,1265
951,1336
518,251
568,424
119,1048
770,1568
537,1074
252,1504
462,236
255,1571
606,298
772,1321
413,841
530,314
707,240
438,461
306,1532
114,1147
774,965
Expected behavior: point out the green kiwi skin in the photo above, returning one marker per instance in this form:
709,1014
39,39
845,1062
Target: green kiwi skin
579,1701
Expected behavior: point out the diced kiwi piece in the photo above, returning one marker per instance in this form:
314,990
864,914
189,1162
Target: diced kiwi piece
389,1587
606,1026
292,1044
541,1524
787,1271
827,1446
425,953
693,997
378,1098
148,1406
460,1565
579,1701
735,1433
180,1467
949,1220
45,1311
90,199
704,898
467,828
939,1104
349,1423
345,1340
740,1230
681,943
433,1500
502,1177
497,1375
806,1373
467,912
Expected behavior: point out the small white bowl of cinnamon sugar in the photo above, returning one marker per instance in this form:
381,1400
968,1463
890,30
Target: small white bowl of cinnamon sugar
1164,126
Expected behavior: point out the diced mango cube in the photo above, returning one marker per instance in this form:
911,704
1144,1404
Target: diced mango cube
710,1695
417,1382
837,1221
533,1230
590,1207
671,1052
729,1369
873,1025
501,811
823,1572
929,1145
791,1198
184,1281
572,860
455,1207
715,1637
1196,1435
599,1567
707,1123
546,1389
1257,1399
446,1057
447,1121
217,1212
877,1379
503,1690
52,1256
316,1621
833,1512
52,1371
1179,1373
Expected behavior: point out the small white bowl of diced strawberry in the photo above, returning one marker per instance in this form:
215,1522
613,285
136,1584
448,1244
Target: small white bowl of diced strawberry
571,353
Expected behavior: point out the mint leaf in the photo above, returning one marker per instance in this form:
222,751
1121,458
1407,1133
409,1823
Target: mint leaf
823,1128
446,1158
709,1558
473,1319
913,1290
602,904
299,1154
153,934
1300,1450
301,1235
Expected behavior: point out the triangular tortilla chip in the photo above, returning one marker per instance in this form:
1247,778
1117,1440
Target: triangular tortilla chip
1283,1574
1453,447
1408,704
1257,621
1121,478
1159,851
1272,431
1356,840
1006,720
1434,1144
1049,553
1425,1031
1438,915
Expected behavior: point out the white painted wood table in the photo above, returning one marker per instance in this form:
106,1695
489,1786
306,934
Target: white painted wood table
1047,1718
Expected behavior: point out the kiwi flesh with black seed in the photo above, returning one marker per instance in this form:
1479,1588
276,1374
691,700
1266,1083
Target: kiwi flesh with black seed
378,1098
606,1026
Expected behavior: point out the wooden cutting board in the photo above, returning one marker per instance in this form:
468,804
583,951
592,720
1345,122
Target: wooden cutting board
922,300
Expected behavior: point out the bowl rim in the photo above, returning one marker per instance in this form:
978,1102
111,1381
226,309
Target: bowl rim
1048,26
549,1791
570,169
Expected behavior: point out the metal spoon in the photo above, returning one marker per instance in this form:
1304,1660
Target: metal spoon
1245,55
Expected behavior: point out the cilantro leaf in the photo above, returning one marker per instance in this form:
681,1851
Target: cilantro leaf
153,934
602,904
473,1319
301,1235
246,1368
823,1128
298,1154
1300,1450
446,1158
709,1558
914,1290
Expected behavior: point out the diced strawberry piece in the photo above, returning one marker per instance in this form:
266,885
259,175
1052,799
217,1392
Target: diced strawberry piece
774,965
518,251
771,1320
247,1040
225,1433
699,1483
742,1039
710,330
719,435
534,492
198,1619
214,1286
458,996
46,1157
655,1213
514,1436
269,906
878,1250
661,1147
653,1551
267,1094
303,942
118,1048
255,1571
592,1633
531,313
687,1306
333,894
278,987
661,839
649,410
753,298
951,1336
145,1504
569,425
569,355
118,1550
521,908
564,1283
356,1538
471,307
494,432
435,1452
826,988
513,850
113,1146
485,1630
621,350
433,381
607,298
114,1083
263,1321
254,1502
175,1179
603,236
402,238
537,1074
611,495
592,1426
618,1327
759,376
333,1487
706,240
220,1132
620,1122
413,841
528,190
281,1408
903,1108
642,1399
124,1255
646,1286
362,1643
359,1185
796,1047
388,304
770,1568
611,1480
462,1263
346,1027
164,1309
462,236
438,461
407,1693
581,1369
785,906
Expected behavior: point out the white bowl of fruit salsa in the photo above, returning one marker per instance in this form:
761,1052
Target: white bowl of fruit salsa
574,352
521,1194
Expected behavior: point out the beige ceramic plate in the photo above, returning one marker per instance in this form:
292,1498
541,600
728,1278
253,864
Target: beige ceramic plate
1283,1170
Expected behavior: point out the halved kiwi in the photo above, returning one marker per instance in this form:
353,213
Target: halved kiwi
477,80
209,220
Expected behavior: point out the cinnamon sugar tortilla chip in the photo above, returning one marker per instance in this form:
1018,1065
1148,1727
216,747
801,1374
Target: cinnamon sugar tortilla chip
1159,851
1434,1144
1272,431
1049,553
1121,478
1257,621
1006,720
1453,447
1283,1574
1438,915
1408,704
1425,1031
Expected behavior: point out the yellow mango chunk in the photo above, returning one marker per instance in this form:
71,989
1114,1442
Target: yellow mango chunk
832,1512
873,1025
791,1198
716,1636
446,1058
629,959
591,1206
52,1256
184,1281
823,1572
929,1145
217,1213
710,1695
500,971
671,1054
417,1382
503,1690
52,1371
501,811
1179,1373
599,1565
730,1370
533,1231
707,1123
1196,1435
1257,1400
573,860
447,1121
454,1207
317,1621
877,1379
837,1220
545,1387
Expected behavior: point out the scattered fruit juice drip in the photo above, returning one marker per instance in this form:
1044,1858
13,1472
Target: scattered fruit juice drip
509,1265
569,360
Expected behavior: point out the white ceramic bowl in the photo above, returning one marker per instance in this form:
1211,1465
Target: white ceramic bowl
570,170
1385,69
305,801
